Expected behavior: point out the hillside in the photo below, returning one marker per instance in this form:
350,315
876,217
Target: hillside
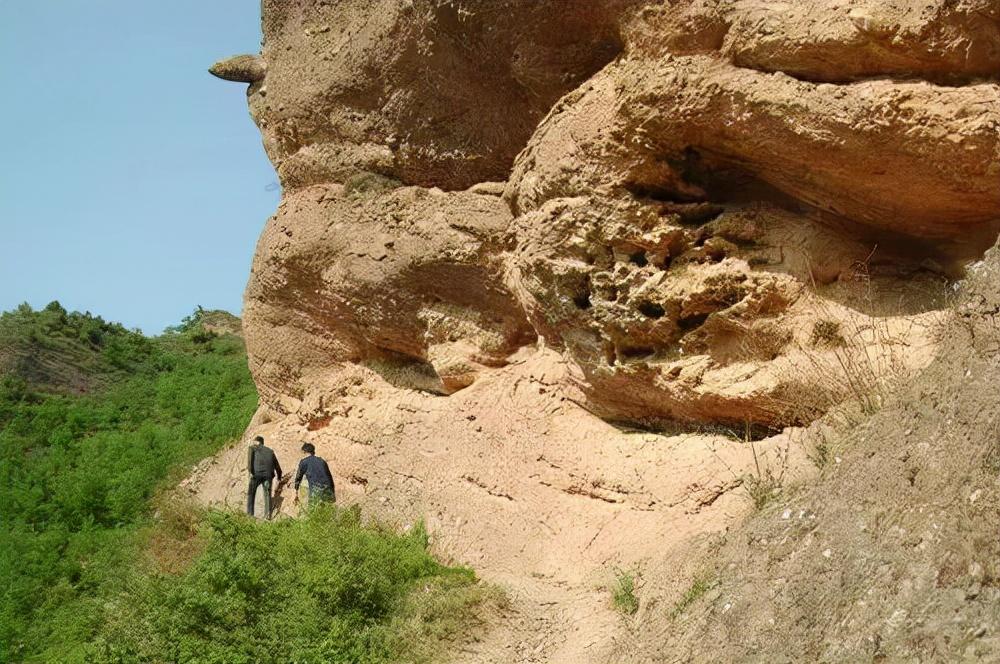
102,560
595,288
93,420
53,350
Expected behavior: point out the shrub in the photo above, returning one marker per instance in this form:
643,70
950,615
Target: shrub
323,588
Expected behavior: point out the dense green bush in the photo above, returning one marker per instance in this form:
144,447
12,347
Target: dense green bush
77,471
80,476
320,589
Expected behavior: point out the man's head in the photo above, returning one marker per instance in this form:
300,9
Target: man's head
258,440
308,448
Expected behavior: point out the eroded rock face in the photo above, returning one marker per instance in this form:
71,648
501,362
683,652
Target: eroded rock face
675,212
726,178
434,93
816,40
513,230
400,279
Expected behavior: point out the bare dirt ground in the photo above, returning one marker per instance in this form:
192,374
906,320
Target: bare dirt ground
516,480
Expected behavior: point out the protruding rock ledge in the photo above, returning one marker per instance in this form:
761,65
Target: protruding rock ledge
240,68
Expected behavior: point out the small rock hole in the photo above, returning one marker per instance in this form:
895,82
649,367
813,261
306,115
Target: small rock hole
651,310
635,352
692,321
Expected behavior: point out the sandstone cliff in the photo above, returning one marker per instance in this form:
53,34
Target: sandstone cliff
575,281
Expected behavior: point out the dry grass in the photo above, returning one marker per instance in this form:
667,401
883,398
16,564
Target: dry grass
763,485
857,354
827,333
173,542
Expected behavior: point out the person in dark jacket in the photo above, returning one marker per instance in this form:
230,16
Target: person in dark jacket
263,467
314,469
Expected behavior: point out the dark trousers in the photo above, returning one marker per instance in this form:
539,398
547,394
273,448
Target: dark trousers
321,493
252,494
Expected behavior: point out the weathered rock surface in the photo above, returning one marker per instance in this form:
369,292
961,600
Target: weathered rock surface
844,40
508,224
434,93
890,555
403,280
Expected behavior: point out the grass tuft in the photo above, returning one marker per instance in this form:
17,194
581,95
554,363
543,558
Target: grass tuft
763,488
623,596
700,586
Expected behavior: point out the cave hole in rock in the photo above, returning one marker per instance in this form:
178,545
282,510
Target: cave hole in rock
609,353
582,296
660,193
667,426
638,258
692,321
405,371
651,309
747,431
715,253
626,352
727,184
720,185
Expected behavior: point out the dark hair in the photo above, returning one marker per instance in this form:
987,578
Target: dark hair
258,439
309,448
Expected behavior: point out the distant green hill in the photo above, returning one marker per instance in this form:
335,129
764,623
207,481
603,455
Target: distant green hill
53,350
100,561
57,351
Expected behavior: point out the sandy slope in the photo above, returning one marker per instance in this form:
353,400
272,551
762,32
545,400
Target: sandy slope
518,481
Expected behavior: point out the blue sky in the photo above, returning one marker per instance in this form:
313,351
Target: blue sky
133,184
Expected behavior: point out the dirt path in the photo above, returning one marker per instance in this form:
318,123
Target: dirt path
546,622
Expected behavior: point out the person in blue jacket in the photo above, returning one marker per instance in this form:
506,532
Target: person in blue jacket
317,472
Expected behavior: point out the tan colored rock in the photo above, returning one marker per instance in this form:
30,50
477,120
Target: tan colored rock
911,159
943,40
623,191
405,280
818,40
513,232
431,92
715,321
240,68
